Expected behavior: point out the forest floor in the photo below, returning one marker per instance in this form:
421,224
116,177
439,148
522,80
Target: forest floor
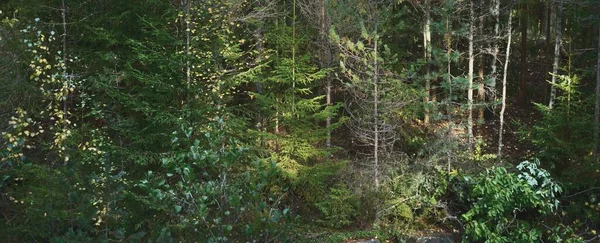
519,114
515,148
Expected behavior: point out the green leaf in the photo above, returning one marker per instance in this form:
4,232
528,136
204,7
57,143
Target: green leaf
360,46
363,31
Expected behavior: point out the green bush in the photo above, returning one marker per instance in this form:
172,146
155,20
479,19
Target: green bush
36,203
210,188
501,203
339,207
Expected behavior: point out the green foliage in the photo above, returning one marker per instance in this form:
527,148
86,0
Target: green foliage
562,135
313,181
411,201
130,99
207,187
38,203
289,113
88,151
563,233
479,154
501,201
339,207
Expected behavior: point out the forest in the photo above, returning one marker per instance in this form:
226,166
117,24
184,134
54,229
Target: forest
300,121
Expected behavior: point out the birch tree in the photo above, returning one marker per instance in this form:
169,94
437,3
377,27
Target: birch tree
481,72
557,46
425,8
470,76
495,10
504,82
427,54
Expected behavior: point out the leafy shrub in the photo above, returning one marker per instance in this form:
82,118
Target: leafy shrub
209,188
501,201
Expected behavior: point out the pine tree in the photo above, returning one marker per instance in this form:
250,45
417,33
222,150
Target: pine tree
289,103
375,94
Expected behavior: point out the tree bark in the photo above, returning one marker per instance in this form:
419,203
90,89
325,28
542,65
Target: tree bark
481,83
548,48
551,26
376,112
597,108
325,62
547,25
261,123
448,44
294,58
495,49
187,42
67,79
470,77
504,84
523,69
427,54
557,45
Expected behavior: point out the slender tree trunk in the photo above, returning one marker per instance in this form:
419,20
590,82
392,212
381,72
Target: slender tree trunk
557,45
448,44
294,58
277,130
523,72
481,83
548,48
261,122
548,24
65,74
470,77
188,31
551,25
376,111
325,60
63,13
597,108
427,54
504,84
481,95
495,49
